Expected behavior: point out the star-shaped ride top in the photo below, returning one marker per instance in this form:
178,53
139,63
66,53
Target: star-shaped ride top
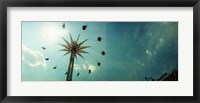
74,47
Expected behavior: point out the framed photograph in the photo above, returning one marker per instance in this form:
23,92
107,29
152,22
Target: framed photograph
91,51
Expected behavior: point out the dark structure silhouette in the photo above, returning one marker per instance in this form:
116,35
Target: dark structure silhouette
173,76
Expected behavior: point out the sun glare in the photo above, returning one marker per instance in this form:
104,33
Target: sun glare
52,32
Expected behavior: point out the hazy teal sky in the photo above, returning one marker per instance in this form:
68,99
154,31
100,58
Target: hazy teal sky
134,50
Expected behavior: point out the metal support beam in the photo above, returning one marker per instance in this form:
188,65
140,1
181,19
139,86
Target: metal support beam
70,67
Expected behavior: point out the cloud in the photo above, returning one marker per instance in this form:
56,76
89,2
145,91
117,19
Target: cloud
91,67
140,63
149,53
85,66
77,67
150,34
31,58
160,43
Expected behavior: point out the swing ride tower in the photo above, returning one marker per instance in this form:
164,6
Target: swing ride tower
70,67
73,48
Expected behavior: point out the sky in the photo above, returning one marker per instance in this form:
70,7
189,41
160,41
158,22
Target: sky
134,50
